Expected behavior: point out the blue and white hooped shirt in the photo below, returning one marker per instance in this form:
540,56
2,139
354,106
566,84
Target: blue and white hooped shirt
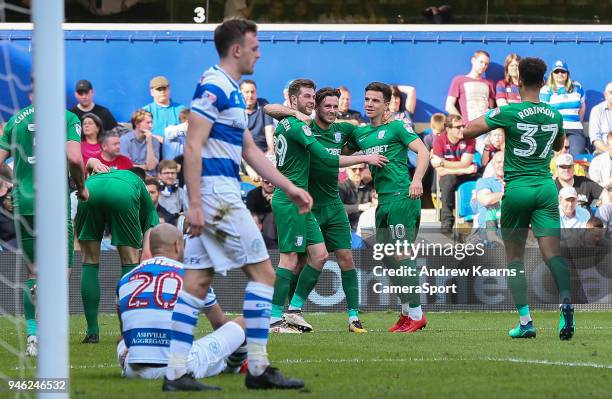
568,104
218,99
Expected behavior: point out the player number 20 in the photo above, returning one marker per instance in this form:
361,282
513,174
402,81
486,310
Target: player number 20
529,131
158,283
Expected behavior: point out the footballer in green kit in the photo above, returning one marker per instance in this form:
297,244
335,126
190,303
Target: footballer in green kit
301,241
19,141
399,205
118,199
328,208
533,130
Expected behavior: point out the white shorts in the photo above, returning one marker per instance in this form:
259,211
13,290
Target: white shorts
230,239
206,358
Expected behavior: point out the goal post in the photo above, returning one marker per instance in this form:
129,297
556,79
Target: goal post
51,186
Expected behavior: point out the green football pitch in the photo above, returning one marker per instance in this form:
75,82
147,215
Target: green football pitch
458,355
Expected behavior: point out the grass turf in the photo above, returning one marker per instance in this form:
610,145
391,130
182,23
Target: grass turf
458,355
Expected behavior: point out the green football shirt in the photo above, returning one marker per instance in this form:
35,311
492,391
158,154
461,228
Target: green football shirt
392,181
19,140
530,130
323,180
294,143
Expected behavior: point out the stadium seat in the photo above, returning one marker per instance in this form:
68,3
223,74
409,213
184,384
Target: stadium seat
463,197
586,157
478,159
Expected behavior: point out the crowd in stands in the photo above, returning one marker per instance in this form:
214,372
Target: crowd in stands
155,136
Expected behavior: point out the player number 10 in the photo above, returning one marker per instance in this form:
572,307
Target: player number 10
397,231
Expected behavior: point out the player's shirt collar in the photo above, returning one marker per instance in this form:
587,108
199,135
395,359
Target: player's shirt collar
232,81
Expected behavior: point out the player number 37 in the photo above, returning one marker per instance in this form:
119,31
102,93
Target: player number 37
529,131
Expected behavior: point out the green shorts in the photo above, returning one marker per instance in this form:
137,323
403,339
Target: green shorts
398,220
537,206
335,226
24,226
295,232
106,208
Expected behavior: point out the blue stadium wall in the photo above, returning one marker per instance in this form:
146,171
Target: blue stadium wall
120,62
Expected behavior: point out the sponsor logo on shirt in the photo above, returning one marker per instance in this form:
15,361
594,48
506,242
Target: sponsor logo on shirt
210,96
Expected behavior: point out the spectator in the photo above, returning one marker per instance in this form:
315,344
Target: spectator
172,197
452,158
154,188
489,193
494,142
588,191
438,15
92,128
260,124
139,144
366,227
110,155
594,235
163,110
355,192
604,213
436,127
344,112
238,9
567,96
8,236
572,215
578,168
473,93
600,170
600,122
507,90
84,94
174,136
258,202
408,95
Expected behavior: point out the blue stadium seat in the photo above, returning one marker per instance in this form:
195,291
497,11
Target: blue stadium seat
478,159
463,197
586,157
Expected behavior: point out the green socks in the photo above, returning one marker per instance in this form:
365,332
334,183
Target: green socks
560,271
306,282
351,291
125,269
29,309
293,285
518,284
281,289
90,293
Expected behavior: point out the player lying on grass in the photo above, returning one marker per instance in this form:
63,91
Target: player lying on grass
301,241
146,297
533,129
119,199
